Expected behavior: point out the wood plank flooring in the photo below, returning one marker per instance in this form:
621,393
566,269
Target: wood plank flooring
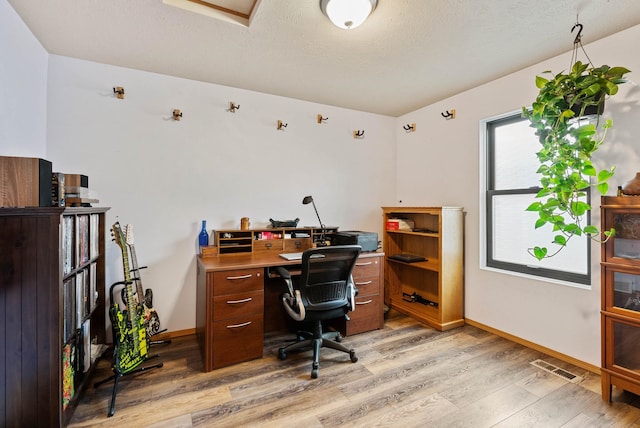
407,375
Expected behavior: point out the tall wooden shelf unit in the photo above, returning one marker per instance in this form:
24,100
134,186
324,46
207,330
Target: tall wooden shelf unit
52,307
437,235
620,284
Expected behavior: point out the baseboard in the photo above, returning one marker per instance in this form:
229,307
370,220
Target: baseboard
174,334
545,350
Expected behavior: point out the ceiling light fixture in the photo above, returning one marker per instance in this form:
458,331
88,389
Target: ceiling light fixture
347,14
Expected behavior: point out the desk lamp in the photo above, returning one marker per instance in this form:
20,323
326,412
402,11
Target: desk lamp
309,200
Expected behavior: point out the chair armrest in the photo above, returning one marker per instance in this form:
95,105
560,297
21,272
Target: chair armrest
352,292
284,273
286,277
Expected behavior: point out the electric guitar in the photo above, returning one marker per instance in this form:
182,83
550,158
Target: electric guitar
151,318
130,334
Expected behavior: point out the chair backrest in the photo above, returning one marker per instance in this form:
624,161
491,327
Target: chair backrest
326,272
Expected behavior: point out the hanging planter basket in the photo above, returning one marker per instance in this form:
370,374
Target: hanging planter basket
566,169
591,109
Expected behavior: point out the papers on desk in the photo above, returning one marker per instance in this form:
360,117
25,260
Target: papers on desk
298,256
291,256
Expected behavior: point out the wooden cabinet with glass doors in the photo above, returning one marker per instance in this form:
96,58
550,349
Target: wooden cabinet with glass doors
620,268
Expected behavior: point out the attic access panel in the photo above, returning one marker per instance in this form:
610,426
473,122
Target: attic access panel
234,11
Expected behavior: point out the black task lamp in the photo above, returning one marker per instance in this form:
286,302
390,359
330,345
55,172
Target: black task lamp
309,200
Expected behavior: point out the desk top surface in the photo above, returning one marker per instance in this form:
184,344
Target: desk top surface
255,260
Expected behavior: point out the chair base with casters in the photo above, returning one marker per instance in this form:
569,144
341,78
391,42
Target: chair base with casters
323,291
316,340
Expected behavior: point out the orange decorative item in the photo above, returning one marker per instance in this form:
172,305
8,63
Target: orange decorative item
244,223
632,187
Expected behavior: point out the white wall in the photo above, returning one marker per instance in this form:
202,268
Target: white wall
23,88
165,176
439,164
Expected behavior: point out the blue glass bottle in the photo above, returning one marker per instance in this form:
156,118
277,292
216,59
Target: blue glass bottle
203,238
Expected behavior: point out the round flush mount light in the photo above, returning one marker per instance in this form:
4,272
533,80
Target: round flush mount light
347,14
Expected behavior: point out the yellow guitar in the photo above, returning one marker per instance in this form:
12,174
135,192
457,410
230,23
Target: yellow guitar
130,335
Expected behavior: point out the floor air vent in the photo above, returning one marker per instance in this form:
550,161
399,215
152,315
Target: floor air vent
557,371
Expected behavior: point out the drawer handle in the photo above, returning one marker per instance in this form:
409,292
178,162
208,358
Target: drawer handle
231,302
244,324
366,302
231,278
364,283
364,264
268,245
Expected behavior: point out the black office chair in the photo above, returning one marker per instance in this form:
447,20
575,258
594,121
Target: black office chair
323,291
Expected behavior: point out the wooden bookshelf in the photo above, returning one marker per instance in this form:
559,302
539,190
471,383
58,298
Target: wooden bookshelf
430,290
52,305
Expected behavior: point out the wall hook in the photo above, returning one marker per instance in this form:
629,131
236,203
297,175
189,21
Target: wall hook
233,107
177,114
358,134
119,91
449,114
281,125
409,128
322,119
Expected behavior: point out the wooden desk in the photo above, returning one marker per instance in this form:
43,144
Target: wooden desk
237,302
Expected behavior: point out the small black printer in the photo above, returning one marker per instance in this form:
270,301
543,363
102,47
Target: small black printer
367,240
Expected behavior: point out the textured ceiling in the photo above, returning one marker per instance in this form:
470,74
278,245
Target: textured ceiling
408,54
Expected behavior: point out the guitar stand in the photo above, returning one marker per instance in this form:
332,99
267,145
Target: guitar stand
117,374
116,378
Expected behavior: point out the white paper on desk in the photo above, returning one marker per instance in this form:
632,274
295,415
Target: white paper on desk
291,256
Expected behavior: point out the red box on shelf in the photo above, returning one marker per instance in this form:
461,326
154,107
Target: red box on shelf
393,225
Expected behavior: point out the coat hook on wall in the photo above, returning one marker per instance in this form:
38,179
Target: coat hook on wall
449,114
322,119
358,134
119,91
281,125
177,114
233,107
409,128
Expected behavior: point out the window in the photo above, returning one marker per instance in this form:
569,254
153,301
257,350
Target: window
510,185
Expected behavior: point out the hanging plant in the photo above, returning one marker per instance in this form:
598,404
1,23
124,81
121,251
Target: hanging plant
568,141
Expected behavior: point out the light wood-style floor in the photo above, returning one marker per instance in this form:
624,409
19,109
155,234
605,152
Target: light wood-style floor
407,375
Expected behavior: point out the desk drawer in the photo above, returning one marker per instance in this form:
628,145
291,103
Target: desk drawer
235,305
369,266
296,245
237,281
367,316
237,339
268,245
367,286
